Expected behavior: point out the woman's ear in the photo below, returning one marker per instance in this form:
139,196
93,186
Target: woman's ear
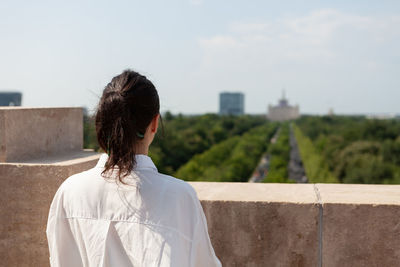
154,123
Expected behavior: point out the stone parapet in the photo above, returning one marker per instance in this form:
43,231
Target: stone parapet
249,224
303,224
31,133
26,192
39,149
360,225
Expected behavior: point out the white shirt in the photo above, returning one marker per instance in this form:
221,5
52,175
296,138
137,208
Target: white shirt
156,220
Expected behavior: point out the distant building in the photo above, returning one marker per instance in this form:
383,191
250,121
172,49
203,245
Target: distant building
10,99
231,103
381,116
283,111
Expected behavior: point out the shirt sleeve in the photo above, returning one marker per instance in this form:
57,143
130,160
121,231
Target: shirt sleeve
202,253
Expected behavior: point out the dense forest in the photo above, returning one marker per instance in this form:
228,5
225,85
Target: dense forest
333,149
232,160
349,149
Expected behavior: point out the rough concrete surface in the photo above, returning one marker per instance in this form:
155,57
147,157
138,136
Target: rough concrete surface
26,191
361,235
257,224
361,225
261,224
262,233
39,132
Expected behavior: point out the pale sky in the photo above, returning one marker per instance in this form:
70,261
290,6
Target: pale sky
340,54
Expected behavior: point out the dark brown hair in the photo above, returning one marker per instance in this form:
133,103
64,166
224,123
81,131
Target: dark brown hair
126,108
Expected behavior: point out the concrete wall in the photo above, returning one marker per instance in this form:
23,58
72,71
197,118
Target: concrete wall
303,224
27,133
249,224
26,191
39,149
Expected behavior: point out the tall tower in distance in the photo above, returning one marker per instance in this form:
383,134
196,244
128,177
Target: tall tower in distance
231,103
283,111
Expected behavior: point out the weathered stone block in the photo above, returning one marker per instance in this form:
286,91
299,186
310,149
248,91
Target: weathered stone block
27,133
361,235
26,191
361,225
261,224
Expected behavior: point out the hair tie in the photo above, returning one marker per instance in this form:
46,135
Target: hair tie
140,135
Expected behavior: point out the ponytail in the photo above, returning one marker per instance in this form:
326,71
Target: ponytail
128,105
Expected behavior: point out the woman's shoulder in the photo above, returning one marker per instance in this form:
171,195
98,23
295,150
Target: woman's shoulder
78,178
178,185
81,183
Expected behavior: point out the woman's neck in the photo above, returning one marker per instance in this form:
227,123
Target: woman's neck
141,149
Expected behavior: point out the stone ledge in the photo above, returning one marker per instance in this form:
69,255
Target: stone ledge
359,194
74,157
247,192
346,225
299,193
249,224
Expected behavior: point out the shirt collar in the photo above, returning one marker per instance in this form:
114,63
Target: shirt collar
142,162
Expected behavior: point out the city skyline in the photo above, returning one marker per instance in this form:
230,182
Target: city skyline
335,55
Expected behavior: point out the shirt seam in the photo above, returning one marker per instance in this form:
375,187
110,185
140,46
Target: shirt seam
143,223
